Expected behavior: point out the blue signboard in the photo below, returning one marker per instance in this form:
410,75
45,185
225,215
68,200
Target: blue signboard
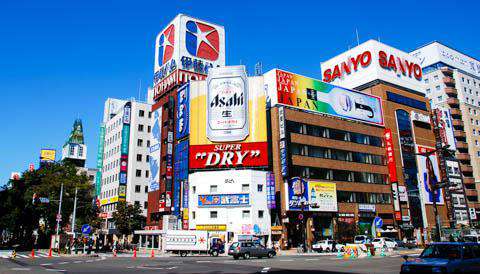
223,200
86,229
183,111
378,222
297,193
180,174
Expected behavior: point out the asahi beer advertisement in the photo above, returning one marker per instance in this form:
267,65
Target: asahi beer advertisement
155,146
314,195
228,124
429,176
314,95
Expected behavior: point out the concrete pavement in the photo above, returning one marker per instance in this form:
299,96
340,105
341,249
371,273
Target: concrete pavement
201,264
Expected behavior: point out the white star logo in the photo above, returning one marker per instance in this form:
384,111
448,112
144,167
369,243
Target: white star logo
202,37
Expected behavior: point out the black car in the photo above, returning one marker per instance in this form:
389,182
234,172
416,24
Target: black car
250,249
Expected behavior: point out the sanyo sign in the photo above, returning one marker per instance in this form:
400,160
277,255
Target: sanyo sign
371,61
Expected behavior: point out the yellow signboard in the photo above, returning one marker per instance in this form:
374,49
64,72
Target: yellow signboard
110,200
211,227
47,155
185,213
276,228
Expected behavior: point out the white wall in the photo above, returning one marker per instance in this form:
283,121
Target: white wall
230,182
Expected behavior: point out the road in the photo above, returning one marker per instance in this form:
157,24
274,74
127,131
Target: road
201,264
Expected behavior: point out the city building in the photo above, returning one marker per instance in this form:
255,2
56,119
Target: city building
396,77
452,84
74,150
125,161
184,50
329,163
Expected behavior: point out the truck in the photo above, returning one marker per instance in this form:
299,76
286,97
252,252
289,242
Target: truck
184,242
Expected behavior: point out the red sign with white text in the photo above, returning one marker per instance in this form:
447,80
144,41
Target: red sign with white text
392,168
228,155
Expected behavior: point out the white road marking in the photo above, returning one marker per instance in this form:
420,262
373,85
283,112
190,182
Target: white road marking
52,269
265,269
311,259
90,261
46,264
63,263
77,262
20,269
286,260
204,261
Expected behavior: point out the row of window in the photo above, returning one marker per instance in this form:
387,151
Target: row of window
339,175
334,134
363,197
245,188
336,154
138,189
113,207
245,214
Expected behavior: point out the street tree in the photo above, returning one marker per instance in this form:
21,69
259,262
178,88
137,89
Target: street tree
128,218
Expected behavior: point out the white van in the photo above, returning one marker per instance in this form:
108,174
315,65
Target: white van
472,238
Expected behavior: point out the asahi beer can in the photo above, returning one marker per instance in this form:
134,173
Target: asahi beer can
227,104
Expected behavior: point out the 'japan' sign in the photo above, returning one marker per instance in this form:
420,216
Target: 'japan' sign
228,155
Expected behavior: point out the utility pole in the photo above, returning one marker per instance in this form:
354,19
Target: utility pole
59,217
74,212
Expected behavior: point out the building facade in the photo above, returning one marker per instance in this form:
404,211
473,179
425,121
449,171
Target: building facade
185,50
125,161
396,77
452,84
337,157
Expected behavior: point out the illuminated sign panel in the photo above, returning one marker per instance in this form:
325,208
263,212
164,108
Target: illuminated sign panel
371,61
228,127
190,45
313,95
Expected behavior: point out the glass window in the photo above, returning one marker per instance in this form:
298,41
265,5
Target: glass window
141,113
245,187
139,157
213,189
213,215
260,214
137,189
138,173
140,127
146,191
260,188
245,214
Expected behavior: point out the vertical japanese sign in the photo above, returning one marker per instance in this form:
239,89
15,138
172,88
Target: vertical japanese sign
180,174
392,169
122,188
271,204
183,112
98,177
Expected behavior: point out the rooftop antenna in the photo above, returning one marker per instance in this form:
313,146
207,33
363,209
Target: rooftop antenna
139,88
358,40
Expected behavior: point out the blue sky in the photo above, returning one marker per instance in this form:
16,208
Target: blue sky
60,60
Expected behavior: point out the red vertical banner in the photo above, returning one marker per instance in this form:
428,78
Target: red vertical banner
392,169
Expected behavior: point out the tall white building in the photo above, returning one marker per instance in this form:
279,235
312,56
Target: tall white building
452,82
125,167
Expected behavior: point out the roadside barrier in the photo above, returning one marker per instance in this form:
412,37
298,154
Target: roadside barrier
33,254
50,253
14,254
152,255
114,252
134,252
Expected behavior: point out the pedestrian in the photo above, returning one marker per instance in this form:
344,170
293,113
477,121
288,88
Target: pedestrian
334,246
